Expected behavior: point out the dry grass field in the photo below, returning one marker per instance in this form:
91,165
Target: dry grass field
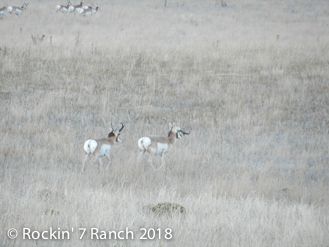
250,81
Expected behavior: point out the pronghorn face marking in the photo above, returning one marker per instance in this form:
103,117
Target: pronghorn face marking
101,147
115,134
160,145
118,138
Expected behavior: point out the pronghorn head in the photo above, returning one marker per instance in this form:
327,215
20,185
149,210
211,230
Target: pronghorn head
116,133
25,5
177,131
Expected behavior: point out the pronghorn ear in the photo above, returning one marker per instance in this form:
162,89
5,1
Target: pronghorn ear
170,126
174,124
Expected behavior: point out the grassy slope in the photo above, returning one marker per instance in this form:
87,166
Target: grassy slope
252,172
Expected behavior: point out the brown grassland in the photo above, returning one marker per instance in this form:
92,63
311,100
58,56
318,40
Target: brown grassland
250,81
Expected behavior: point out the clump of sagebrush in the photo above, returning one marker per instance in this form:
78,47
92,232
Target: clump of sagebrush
51,212
47,194
168,209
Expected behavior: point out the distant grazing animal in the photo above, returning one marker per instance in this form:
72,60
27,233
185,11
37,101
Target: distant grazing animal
17,10
91,11
88,7
84,8
101,147
159,145
75,8
63,8
2,10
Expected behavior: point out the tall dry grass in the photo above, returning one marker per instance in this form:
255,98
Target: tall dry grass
250,81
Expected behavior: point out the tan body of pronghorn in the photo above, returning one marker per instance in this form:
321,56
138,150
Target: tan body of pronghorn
76,8
63,8
17,10
159,145
101,147
92,11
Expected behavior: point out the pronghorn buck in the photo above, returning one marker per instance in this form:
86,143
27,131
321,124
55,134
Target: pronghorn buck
84,8
101,147
63,8
159,145
2,10
91,11
76,8
17,10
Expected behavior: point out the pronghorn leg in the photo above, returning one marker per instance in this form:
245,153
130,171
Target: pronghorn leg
84,162
110,160
140,154
150,161
162,162
100,162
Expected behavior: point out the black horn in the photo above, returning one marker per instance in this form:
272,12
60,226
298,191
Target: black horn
121,127
185,133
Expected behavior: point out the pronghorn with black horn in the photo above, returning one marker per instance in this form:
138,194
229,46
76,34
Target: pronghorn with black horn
2,10
17,10
76,8
84,8
101,147
160,145
91,11
63,8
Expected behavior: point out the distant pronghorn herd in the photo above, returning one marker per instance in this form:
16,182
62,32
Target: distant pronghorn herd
154,145
13,9
81,8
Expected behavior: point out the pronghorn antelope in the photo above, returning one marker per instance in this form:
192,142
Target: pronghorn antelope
2,10
17,10
63,8
91,11
88,7
75,8
101,147
159,145
84,8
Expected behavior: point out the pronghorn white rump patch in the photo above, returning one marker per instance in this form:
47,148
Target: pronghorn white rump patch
90,146
144,143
